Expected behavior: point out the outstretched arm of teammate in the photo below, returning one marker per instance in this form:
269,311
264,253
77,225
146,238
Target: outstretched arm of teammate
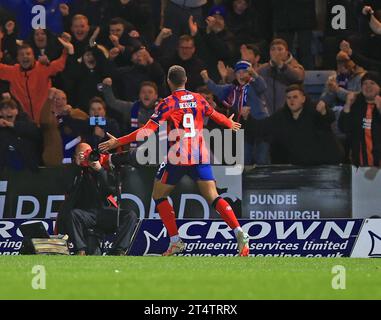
221,119
149,128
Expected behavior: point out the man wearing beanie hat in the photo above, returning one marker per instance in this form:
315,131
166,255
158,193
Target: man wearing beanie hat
347,79
361,121
246,90
242,65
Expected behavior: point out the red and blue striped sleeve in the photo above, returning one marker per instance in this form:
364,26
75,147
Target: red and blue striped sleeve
162,112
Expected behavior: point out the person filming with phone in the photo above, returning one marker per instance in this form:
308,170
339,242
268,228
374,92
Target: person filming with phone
99,124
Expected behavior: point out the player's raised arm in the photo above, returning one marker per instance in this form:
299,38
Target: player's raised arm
149,128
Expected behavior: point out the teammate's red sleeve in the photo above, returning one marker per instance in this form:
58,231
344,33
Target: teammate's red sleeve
221,119
149,128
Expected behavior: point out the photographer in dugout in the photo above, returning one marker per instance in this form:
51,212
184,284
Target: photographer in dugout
90,209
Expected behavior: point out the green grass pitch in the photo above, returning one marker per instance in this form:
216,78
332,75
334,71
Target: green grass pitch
188,278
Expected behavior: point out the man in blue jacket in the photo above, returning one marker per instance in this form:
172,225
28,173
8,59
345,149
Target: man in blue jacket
247,90
26,10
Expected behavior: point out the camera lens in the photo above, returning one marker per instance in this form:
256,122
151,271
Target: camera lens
94,156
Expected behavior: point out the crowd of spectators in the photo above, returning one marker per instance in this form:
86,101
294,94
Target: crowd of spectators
100,66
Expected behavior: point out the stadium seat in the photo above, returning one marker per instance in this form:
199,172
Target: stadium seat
314,82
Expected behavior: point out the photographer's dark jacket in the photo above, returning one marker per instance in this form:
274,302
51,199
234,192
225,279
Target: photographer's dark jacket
89,192
353,123
20,145
308,140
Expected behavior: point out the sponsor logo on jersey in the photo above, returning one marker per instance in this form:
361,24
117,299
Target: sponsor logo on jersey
187,97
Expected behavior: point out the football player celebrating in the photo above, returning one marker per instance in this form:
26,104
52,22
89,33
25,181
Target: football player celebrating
184,113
